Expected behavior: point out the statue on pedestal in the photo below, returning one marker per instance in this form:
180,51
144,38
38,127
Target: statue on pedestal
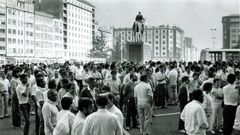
138,27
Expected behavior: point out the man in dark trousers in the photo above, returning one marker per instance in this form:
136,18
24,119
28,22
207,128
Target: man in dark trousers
183,99
128,92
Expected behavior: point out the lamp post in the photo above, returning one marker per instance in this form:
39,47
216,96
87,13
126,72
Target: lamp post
213,37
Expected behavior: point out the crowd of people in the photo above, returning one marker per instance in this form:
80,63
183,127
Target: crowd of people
94,98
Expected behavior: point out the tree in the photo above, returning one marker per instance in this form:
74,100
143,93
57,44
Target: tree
99,49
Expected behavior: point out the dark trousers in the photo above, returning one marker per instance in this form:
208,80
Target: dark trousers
25,110
80,85
37,121
229,113
160,95
41,122
181,122
16,116
131,112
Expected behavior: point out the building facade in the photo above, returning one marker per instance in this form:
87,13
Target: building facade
2,31
48,37
231,31
20,29
166,41
78,25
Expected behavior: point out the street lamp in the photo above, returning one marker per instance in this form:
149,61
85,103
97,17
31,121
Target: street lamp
213,37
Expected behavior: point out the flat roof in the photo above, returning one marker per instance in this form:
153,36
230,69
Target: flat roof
86,2
222,50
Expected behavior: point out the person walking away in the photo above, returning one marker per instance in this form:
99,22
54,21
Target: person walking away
102,122
194,116
172,87
230,99
144,99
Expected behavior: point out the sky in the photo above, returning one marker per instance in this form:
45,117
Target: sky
195,17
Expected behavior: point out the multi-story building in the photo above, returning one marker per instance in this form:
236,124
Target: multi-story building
2,31
20,29
166,41
48,37
189,51
78,24
231,31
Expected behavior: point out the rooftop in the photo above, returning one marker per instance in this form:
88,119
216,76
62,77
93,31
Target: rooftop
233,15
86,2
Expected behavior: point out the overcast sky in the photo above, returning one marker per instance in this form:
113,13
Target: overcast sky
195,17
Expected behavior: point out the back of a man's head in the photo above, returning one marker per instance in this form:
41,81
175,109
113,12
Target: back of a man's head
102,100
66,103
231,78
84,103
197,95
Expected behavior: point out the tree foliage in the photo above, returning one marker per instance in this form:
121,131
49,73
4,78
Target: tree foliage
99,49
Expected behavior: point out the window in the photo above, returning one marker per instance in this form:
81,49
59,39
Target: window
233,30
156,36
234,41
163,53
170,36
156,47
9,31
2,39
163,36
14,32
156,53
163,48
163,42
156,31
156,42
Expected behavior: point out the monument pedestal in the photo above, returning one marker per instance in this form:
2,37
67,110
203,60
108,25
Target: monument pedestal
138,52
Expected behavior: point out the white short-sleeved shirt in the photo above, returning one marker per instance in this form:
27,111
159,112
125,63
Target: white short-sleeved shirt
230,95
20,90
142,92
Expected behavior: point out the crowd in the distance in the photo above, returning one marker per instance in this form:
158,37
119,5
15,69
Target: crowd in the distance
94,98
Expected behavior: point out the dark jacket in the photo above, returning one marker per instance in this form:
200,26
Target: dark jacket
183,95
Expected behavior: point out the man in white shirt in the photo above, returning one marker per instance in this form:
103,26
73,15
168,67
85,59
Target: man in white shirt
64,118
49,112
172,87
194,116
23,93
115,85
144,99
113,109
102,122
4,95
161,89
230,98
85,106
